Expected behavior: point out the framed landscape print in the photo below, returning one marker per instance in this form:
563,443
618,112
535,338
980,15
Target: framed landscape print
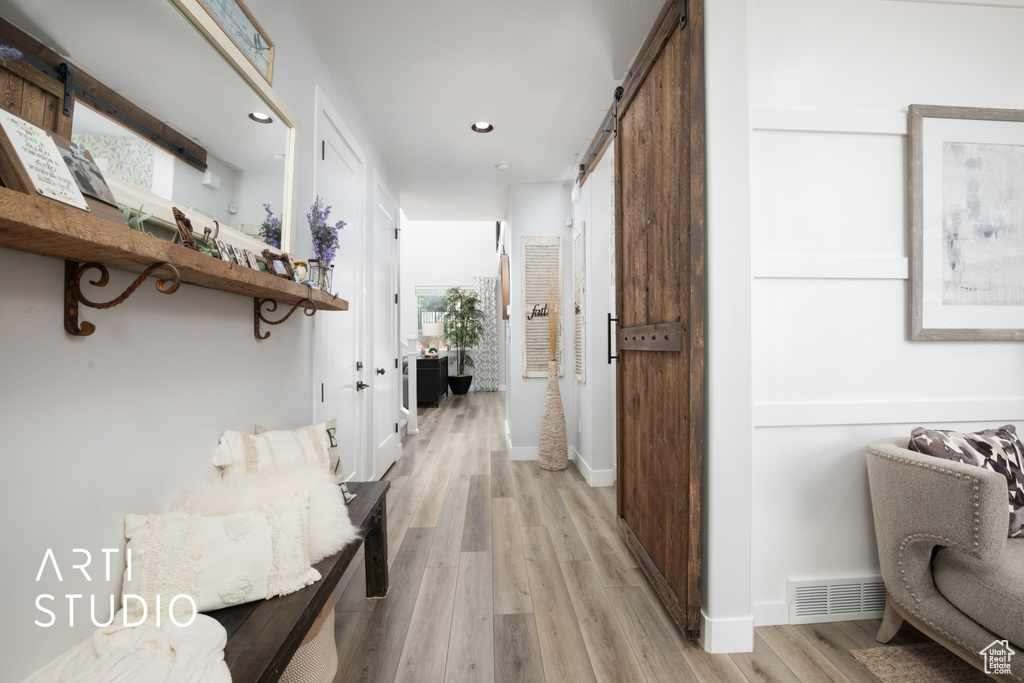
239,24
966,195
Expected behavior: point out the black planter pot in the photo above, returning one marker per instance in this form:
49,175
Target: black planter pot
459,384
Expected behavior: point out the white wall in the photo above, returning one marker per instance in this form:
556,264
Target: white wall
190,193
446,254
120,421
807,106
535,209
593,431
443,254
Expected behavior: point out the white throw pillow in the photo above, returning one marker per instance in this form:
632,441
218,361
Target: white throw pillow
328,433
330,528
218,561
241,452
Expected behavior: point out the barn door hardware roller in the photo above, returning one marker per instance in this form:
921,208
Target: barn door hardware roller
308,307
610,355
73,297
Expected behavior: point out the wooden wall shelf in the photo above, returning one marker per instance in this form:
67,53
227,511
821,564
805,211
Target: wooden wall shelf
41,226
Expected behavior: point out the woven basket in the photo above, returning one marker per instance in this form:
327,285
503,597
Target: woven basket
316,660
554,453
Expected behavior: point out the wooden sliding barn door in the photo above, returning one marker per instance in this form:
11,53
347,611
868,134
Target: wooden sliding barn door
660,299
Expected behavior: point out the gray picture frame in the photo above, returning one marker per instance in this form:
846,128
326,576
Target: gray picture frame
936,314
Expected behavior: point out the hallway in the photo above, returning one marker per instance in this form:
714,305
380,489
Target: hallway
503,572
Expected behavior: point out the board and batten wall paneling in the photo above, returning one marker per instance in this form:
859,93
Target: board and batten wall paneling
579,274
542,278
832,365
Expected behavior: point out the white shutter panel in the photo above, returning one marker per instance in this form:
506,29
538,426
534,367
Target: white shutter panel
542,270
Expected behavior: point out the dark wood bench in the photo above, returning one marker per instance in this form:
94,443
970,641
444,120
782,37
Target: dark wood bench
263,635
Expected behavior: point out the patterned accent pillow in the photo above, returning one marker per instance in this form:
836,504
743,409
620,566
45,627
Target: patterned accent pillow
999,450
218,561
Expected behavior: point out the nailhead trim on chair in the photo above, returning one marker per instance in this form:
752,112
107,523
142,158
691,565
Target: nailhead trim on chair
942,470
916,611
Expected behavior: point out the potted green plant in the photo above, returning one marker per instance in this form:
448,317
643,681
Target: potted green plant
463,328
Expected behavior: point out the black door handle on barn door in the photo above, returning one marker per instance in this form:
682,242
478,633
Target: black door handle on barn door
381,371
610,355
361,385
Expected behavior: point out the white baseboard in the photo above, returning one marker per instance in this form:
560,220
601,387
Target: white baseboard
516,453
595,478
501,387
771,613
723,636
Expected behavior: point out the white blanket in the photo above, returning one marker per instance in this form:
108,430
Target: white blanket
164,654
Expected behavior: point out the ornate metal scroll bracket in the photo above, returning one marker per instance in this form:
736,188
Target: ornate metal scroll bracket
308,307
73,297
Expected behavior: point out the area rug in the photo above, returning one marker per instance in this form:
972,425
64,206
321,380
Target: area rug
915,663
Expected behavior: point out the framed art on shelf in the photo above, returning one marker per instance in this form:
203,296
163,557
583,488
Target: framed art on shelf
966,194
32,160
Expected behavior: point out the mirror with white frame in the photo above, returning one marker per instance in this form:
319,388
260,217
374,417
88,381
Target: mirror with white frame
169,59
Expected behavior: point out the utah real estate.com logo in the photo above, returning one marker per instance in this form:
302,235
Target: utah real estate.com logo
997,657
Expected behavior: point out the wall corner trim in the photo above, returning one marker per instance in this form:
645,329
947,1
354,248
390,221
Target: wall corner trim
723,636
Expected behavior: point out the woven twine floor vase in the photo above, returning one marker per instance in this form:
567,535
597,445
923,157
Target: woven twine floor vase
553,449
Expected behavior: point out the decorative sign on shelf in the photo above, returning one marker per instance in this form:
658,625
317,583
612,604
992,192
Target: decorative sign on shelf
542,278
40,158
239,24
579,270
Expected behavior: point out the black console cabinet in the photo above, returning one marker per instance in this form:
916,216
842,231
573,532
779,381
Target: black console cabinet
432,379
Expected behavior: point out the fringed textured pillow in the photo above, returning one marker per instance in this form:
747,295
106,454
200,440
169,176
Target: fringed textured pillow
217,561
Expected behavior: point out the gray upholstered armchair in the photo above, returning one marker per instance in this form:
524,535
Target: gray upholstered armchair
948,567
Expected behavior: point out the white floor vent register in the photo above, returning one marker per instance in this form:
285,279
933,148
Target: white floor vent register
840,599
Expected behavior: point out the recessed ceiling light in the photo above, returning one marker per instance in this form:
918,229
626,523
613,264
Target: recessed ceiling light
482,127
260,117
503,165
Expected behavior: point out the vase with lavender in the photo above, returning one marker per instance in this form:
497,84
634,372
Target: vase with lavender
325,241
270,230
9,54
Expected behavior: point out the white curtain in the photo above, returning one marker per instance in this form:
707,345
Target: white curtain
485,360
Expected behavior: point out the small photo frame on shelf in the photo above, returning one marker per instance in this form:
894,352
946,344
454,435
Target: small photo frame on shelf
279,264
225,254
85,171
238,255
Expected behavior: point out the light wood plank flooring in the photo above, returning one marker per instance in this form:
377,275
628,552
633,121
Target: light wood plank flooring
501,571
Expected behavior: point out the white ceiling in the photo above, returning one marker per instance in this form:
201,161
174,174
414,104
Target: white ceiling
420,72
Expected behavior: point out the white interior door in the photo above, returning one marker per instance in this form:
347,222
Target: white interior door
340,174
384,340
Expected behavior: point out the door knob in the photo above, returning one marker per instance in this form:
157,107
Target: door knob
381,371
361,385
